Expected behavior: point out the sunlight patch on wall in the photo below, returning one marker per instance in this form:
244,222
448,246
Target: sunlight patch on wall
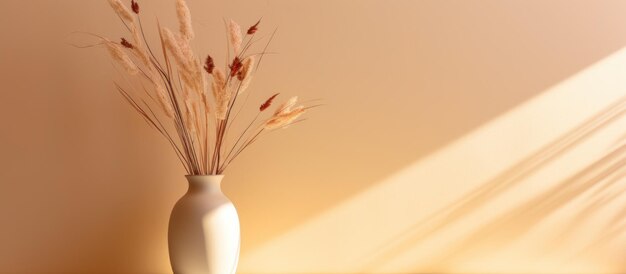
534,190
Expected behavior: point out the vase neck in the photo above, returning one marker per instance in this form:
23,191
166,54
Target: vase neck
204,183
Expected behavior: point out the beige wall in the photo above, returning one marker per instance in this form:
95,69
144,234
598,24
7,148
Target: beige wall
457,136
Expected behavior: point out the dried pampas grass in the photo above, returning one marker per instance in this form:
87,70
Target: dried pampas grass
285,114
139,47
207,101
171,43
164,102
122,11
193,115
117,53
220,94
286,106
219,77
191,68
190,119
184,20
161,93
284,119
245,84
234,34
198,76
246,68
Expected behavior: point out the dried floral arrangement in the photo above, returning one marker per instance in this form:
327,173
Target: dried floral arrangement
191,102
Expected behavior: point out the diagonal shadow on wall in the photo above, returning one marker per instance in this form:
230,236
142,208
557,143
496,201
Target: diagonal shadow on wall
598,199
616,227
513,224
381,132
488,191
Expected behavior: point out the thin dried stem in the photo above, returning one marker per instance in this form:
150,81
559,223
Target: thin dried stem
171,94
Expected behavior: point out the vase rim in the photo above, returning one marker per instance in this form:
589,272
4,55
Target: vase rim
208,176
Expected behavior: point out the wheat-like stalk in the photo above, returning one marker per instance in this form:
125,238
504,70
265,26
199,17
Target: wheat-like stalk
171,42
286,106
189,101
285,115
122,11
234,33
117,53
139,48
220,93
161,92
184,20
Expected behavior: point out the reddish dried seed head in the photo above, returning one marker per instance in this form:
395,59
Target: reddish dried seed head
235,66
268,102
209,65
126,44
135,6
254,28
241,73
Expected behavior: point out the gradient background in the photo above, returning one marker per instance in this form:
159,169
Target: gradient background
457,136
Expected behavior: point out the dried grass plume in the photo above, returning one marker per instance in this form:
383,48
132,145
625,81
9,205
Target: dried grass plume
122,11
220,94
184,20
193,102
117,53
284,119
234,34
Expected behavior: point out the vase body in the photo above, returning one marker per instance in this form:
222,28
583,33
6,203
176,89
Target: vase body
203,235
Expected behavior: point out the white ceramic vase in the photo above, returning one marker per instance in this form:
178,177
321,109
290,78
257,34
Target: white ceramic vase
203,234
